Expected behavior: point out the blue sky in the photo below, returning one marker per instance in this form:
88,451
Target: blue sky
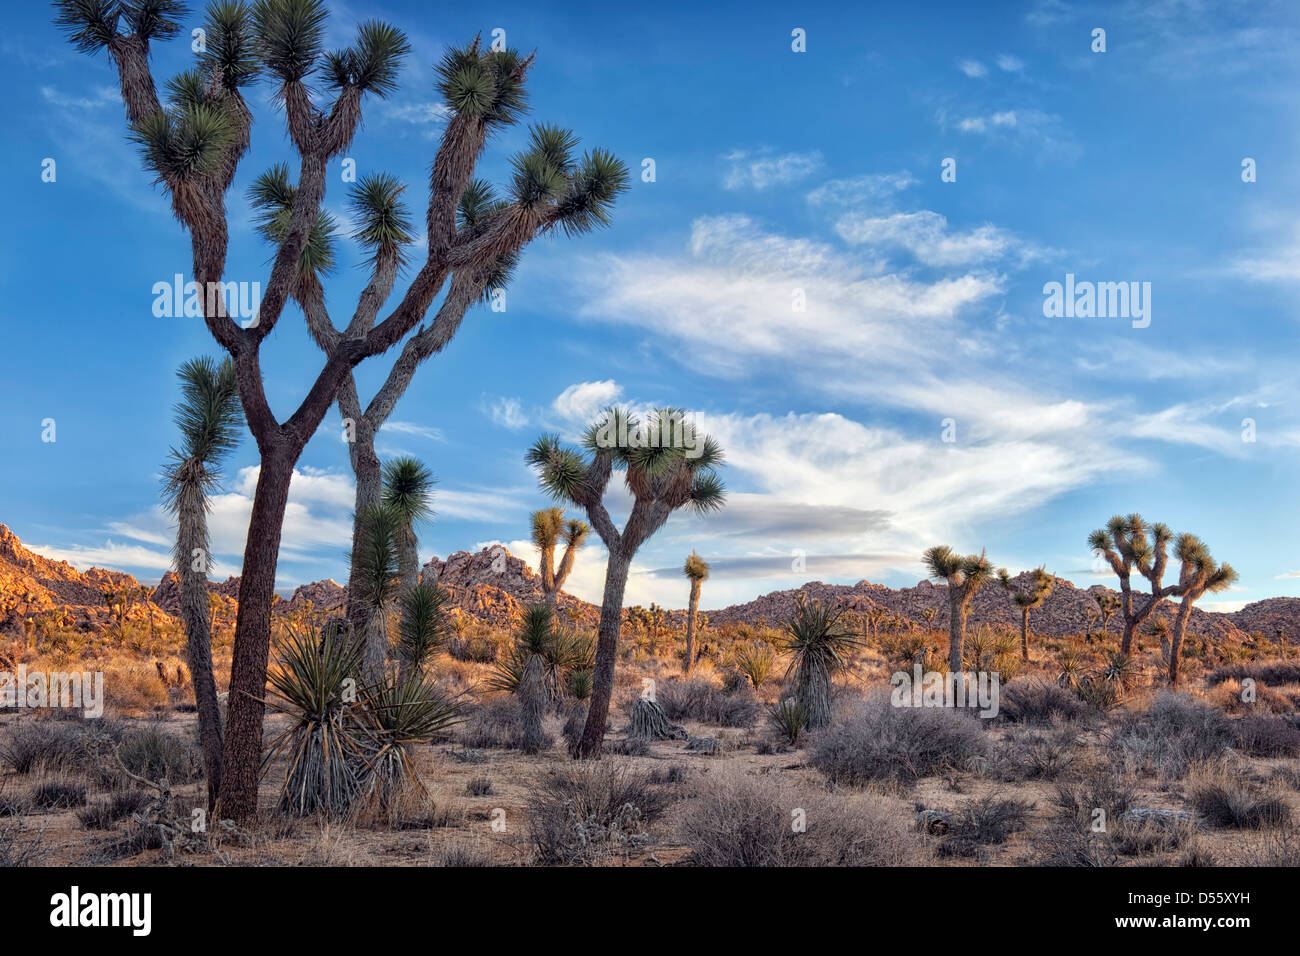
777,173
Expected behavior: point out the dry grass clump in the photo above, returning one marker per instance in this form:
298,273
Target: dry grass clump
1175,732
883,742
988,821
58,795
497,722
587,812
742,820
17,846
156,754
1272,673
1032,700
59,746
1048,754
1225,799
104,814
134,689
705,702
1267,736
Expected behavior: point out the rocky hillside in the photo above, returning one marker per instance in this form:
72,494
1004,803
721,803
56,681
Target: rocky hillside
492,586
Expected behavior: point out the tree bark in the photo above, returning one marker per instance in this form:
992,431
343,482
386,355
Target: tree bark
690,624
602,681
1024,634
1176,638
242,751
366,467
956,632
532,703
196,612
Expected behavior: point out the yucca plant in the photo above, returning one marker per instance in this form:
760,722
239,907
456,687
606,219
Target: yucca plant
423,626
1027,598
817,644
549,527
1124,545
789,717
327,744
523,671
208,416
374,581
755,661
580,683
408,490
1198,574
404,712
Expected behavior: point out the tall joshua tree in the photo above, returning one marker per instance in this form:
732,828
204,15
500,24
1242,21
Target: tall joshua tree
208,417
376,573
667,465
697,570
1198,573
818,644
1029,598
965,575
408,490
549,528
193,142
1126,548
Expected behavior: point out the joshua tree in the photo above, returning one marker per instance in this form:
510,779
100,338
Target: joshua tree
667,465
423,628
1197,574
965,575
817,643
208,417
549,527
193,147
1031,598
697,570
408,491
1107,605
1124,545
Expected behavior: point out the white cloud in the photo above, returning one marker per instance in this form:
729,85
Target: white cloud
412,428
973,68
761,171
579,403
926,235
508,413
109,555
877,189
1010,64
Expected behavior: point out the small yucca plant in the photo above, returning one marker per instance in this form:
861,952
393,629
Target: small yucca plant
789,718
755,661
580,683
404,712
817,644
314,683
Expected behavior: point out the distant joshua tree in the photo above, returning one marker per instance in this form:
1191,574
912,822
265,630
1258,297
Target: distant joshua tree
965,575
209,417
1030,599
666,466
1124,545
1107,605
697,570
549,527
1198,573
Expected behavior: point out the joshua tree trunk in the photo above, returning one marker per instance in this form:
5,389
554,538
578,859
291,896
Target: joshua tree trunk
1176,639
196,613
1024,634
690,624
242,752
956,633
366,467
813,691
602,681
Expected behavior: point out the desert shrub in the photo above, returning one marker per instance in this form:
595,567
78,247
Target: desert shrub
573,725
17,846
703,701
61,746
1038,754
155,754
985,822
1102,789
755,661
1227,800
883,742
630,746
134,689
460,855
1030,700
1272,673
1141,838
742,820
103,814
1267,737
473,648
497,722
586,812
1170,735
479,786
1065,844
58,795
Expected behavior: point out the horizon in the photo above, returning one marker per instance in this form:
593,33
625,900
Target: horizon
925,301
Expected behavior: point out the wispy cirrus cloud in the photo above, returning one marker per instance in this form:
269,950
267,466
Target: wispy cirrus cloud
763,170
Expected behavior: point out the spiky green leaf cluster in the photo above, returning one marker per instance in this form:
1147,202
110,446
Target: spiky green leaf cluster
383,223
153,19
90,24
424,625
373,63
696,568
408,489
958,570
271,195
185,144
209,417
289,35
231,43
374,564
485,86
